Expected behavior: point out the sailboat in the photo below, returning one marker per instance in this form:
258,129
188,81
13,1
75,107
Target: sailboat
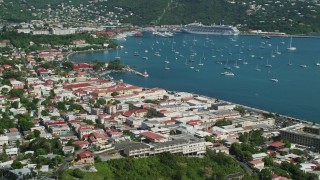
200,63
277,51
289,63
268,65
318,63
291,48
257,68
191,67
245,62
226,66
197,69
236,65
272,54
274,80
117,57
166,61
228,73
166,65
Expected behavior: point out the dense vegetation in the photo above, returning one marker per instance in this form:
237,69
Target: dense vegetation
250,143
115,65
165,166
21,40
287,16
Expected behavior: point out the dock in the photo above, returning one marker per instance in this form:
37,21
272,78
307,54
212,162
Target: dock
145,74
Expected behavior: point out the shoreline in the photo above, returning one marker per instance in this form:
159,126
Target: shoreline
104,74
279,35
68,54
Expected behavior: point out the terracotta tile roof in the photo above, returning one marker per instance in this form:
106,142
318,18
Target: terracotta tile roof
13,130
257,161
81,143
152,135
85,154
277,144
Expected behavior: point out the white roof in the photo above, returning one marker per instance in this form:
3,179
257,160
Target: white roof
259,155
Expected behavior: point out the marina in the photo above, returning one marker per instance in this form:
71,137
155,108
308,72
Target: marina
251,84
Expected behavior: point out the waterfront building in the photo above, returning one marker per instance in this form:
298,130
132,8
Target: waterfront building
252,120
223,106
304,134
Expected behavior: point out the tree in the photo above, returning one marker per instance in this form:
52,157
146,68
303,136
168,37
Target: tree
52,94
16,164
97,159
240,109
266,174
4,157
77,173
114,94
287,144
4,91
101,101
247,156
36,133
268,160
221,123
44,113
68,66
92,101
152,113
25,122
87,121
209,139
16,93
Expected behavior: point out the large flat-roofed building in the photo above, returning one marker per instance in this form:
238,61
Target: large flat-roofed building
304,134
136,150
252,120
186,146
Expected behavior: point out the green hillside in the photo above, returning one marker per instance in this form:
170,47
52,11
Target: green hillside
268,15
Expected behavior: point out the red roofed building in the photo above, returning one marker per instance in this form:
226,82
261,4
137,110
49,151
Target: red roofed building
43,72
82,66
85,157
114,133
13,130
169,122
6,66
82,144
276,145
76,86
136,113
259,164
276,177
195,123
153,137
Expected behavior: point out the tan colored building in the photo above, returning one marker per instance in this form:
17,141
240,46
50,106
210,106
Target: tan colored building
85,157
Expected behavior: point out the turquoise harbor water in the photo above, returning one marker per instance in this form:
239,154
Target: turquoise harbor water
297,92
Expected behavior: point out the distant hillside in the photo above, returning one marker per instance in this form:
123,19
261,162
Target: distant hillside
268,15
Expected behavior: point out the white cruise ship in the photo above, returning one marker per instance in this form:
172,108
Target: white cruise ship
198,28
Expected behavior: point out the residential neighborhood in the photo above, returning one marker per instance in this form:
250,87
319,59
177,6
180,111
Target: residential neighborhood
58,115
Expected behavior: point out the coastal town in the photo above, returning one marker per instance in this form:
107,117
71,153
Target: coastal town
59,116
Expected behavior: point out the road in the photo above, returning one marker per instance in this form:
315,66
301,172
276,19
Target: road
244,165
63,167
